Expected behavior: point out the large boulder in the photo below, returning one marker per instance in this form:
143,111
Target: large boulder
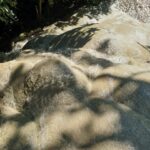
117,35
138,9
93,95
99,125
57,106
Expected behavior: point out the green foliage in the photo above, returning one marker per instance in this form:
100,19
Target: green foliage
18,16
9,8
7,14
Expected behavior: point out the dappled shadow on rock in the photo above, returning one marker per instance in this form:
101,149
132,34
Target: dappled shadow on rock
47,89
75,38
39,42
108,37
116,35
51,85
89,60
48,101
59,112
130,90
102,124
99,124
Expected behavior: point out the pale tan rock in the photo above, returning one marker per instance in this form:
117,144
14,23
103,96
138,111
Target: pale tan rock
116,35
95,95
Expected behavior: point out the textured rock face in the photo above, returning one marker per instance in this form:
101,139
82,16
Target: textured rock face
116,35
93,95
139,9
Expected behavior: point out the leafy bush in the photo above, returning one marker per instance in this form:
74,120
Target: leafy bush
7,8
11,9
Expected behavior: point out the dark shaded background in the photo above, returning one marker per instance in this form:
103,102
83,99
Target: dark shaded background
28,19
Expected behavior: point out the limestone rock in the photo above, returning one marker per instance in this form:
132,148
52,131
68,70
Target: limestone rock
116,35
93,95
139,9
